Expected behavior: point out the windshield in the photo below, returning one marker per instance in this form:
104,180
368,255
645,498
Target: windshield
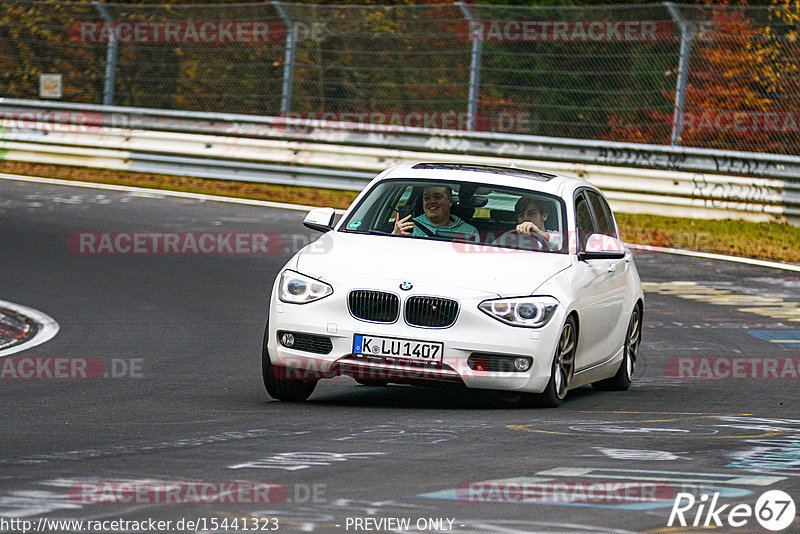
484,214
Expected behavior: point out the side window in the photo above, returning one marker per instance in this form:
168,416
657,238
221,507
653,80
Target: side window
583,220
377,211
602,213
402,205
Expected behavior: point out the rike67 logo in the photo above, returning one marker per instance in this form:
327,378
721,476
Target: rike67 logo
774,510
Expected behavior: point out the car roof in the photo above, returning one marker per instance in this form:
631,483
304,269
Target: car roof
544,181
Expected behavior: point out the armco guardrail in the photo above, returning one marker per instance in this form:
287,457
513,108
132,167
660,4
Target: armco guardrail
636,178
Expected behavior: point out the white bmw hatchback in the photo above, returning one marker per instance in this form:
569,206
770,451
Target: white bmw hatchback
475,276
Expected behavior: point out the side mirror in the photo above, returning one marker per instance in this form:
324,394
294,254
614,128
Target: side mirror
602,247
320,219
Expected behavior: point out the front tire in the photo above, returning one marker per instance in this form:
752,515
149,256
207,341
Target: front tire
627,368
562,368
276,382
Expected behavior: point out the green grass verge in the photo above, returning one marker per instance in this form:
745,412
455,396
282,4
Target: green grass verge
769,241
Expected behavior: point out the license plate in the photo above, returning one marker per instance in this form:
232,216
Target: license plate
406,349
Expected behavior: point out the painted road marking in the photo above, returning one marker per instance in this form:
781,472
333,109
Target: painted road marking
293,461
769,306
723,257
647,425
646,474
157,193
602,492
121,450
48,327
782,337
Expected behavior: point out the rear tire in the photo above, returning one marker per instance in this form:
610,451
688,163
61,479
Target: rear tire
276,383
562,368
627,368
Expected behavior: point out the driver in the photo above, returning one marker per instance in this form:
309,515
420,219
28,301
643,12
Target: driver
437,219
531,215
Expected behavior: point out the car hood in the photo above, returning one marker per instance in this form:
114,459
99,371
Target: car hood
357,259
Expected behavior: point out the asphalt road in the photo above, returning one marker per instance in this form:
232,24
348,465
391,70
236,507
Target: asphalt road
714,412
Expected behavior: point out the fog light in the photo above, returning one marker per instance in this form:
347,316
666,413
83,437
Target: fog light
522,364
287,340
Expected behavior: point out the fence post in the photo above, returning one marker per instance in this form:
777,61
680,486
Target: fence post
111,55
687,34
474,68
288,61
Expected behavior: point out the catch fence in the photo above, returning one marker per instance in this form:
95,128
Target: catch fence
724,77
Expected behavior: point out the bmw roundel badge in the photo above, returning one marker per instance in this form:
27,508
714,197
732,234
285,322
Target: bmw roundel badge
405,286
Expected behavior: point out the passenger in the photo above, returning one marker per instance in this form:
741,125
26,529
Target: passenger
437,219
531,215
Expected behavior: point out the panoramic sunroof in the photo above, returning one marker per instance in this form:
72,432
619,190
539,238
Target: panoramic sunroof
506,171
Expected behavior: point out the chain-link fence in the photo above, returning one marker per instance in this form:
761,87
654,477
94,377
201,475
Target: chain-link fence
719,77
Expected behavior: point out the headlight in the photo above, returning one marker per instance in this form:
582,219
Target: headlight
532,312
298,288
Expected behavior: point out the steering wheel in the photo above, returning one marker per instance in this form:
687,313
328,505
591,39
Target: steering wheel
543,244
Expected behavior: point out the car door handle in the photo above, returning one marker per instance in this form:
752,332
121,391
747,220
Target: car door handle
612,268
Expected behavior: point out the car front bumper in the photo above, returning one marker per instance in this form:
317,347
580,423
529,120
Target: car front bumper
473,332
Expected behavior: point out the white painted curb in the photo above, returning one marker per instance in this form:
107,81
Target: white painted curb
722,257
48,327
157,192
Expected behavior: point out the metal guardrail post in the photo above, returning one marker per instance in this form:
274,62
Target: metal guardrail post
111,55
288,61
687,34
474,68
